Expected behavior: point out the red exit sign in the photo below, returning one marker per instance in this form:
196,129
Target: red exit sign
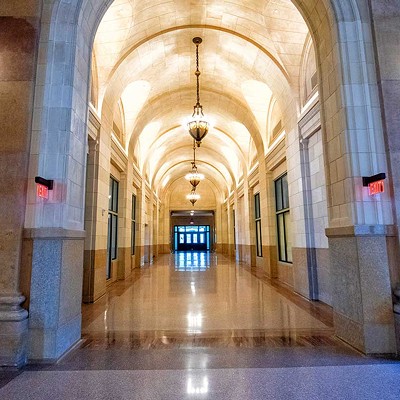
43,186
376,187
374,183
42,191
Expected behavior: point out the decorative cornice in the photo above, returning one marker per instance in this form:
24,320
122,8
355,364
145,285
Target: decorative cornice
276,157
118,157
94,118
310,122
253,178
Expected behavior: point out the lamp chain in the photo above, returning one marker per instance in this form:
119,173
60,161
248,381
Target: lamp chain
197,74
194,154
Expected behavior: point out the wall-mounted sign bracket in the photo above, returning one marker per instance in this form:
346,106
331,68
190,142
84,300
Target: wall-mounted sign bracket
43,186
45,182
375,183
369,179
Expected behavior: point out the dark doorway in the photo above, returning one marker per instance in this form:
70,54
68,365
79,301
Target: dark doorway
191,237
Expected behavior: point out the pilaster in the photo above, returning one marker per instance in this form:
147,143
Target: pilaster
55,298
362,295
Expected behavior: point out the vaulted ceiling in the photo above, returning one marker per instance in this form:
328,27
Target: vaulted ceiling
144,60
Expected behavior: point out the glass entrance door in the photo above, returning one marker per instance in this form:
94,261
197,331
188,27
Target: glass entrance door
192,238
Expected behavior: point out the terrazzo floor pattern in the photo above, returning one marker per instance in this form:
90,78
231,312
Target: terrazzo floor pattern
205,328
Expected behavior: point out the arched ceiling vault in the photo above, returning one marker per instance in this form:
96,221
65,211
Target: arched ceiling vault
160,153
178,166
174,107
218,192
251,53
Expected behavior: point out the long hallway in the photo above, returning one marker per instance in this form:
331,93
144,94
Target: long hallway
202,295
197,325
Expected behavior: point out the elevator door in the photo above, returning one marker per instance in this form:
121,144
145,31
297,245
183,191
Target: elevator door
192,238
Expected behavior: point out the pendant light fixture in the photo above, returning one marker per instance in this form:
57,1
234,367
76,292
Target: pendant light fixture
193,196
194,177
198,126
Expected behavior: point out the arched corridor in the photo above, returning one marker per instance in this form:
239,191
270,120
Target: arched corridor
271,213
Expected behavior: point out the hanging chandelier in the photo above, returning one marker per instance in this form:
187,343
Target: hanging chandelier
194,177
193,196
198,126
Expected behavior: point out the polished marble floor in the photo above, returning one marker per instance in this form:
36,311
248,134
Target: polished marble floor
200,294
199,326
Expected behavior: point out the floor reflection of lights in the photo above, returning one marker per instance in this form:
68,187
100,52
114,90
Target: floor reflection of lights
192,261
195,322
105,321
197,386
221,298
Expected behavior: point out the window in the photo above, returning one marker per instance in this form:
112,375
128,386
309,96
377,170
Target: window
283,220
133,225
112,238
192,238
257,217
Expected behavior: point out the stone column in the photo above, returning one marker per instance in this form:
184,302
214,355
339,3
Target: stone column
386,24
246,255
124,227
362,298
236,225
96,211
142,217
252,227
359,225
224,228
18,51
89,265
136,185
219,228
156,228
270,248
152,229
164,236
56,291
230,233
306,280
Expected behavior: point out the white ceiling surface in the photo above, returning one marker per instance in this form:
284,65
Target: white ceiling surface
251,51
